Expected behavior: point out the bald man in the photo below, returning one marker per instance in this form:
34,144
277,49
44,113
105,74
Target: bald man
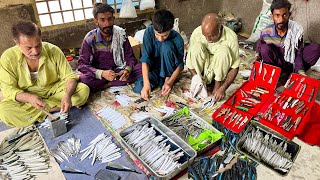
213,53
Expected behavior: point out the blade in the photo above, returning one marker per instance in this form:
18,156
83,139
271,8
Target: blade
119,166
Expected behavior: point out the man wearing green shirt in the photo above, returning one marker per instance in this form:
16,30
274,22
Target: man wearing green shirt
35,76
213,54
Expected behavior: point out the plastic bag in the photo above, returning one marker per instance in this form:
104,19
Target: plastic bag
139,35
127,10
262,21
147,4
176,25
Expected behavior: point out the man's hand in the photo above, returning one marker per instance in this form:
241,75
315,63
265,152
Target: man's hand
124,75
108,75
37,102
145,92
66,103
303,73
166,88
257,58
219,94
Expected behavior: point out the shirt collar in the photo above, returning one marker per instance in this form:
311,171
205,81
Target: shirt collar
99,37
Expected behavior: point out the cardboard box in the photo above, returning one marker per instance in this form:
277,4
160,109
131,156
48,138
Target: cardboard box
136,47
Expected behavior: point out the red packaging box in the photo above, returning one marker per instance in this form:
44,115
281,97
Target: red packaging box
288,112
252,95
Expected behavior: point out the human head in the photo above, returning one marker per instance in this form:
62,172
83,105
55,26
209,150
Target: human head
27,36
103,18
162,21
280,12
211,27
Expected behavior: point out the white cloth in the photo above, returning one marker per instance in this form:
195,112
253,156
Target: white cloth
198,87
294,35
316,67
118,38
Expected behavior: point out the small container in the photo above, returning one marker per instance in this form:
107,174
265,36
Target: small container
205,125
174,140
292,147
73,61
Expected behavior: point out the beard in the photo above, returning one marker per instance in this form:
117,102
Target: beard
282,26
107,30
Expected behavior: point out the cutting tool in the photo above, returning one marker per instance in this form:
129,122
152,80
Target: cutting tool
119,167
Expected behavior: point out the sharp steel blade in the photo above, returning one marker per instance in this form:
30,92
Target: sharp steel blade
311,95
119,166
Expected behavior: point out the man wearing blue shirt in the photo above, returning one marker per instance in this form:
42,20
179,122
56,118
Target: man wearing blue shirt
162,56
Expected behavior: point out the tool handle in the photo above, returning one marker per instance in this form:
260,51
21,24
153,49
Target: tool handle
75,172
117,169
228,166
51,117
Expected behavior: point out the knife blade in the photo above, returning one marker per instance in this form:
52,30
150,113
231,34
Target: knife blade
119,167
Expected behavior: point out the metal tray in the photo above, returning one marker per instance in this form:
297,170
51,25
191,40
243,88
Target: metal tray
206,125
292,148
174,140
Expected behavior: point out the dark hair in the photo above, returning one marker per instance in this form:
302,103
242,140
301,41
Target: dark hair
101,8
278,4
27,28
162,21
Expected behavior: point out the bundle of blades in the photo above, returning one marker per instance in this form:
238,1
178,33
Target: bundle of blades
115,118
265,148
68,148
124,100
154,149
24,158
58,115
101,148
184,126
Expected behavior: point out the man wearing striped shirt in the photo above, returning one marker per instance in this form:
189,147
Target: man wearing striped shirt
281,44
106,56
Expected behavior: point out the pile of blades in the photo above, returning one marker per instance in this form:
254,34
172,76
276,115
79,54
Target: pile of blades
114,117
222,167
23,155
266,148
154,150
190,129
70,147
57,115
124,100
101,148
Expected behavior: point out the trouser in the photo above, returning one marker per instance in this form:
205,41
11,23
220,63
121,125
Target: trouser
211,64
164,67
272,55
100,84
20,114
